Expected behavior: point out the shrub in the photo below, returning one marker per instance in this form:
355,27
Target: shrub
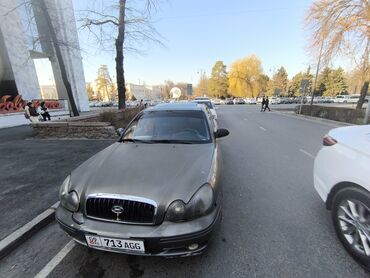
119,118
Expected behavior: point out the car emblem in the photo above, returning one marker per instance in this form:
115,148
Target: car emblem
117,210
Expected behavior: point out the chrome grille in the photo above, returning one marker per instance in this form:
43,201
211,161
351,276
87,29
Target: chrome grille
134,211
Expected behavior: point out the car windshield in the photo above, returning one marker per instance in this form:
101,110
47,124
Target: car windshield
169,127
207,103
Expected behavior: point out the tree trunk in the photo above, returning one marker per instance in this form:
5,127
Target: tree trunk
59,56
121,88
364,90
365,76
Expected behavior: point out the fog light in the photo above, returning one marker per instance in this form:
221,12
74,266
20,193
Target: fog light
193,246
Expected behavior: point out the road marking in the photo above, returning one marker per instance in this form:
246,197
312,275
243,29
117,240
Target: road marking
17,236
307,153
262,128
56,260
5,192
245,119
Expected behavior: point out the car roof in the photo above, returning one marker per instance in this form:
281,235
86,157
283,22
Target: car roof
180,106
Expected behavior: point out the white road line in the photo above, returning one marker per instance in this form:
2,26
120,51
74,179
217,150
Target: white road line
307,153
262,128
245,119
56,260
17,234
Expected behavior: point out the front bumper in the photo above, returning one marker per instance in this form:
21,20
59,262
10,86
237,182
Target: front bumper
167,239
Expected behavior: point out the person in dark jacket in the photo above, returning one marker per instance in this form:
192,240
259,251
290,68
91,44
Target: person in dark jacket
267,101
44,111
263,103
31,113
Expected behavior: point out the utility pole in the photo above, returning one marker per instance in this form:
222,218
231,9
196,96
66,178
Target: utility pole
317,72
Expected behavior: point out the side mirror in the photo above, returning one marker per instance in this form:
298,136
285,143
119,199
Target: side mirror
221,132
120,131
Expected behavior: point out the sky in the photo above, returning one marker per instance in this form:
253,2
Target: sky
197,33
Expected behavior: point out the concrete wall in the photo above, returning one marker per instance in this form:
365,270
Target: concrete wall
341,114
14,39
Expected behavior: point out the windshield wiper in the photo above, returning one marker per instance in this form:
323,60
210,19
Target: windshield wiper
167,141
136,140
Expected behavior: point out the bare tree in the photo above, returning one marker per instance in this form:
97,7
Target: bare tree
129,26
342,28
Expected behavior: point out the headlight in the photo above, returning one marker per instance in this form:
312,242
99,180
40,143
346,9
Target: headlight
68,199
199,205
176,211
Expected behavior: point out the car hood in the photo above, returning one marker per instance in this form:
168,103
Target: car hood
160,172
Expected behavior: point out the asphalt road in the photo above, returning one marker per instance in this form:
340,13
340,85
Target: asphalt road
32,170
274,224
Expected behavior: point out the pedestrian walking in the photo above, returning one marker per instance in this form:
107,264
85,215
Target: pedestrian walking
44,111
30,113
263,103
267,101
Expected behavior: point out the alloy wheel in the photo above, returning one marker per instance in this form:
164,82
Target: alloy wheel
354,221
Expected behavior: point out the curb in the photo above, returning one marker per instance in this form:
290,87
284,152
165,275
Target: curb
15,239
314,119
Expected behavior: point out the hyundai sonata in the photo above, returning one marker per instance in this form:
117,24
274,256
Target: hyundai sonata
156,191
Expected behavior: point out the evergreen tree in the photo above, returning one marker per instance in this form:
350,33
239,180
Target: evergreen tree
218,83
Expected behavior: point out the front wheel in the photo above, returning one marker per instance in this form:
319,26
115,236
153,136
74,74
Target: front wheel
351,218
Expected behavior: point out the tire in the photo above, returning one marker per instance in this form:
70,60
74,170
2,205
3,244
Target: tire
342,199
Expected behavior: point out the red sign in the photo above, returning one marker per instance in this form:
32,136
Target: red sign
18,104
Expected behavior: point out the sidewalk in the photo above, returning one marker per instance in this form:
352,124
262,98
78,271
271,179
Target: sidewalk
32,171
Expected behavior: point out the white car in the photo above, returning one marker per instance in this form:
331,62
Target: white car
342,179
352,99
275,100
209,104
341,99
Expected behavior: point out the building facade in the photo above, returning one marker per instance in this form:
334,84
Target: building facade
25,36
144,92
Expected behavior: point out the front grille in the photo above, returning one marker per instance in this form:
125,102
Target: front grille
133,211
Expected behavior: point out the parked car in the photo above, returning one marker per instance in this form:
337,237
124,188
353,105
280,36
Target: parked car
210,106
229,101
340,98
239,101
201,98
352,99
216,101
342,179
155,192
274,100
250,101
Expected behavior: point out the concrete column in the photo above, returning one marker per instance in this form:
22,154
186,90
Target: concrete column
18,58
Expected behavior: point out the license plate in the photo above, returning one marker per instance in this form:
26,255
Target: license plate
115,243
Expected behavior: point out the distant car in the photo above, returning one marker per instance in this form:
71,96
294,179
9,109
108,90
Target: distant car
229,101
155,192
274,100
342,179
201,98
239,101
216,101
340,99
353,98
250,101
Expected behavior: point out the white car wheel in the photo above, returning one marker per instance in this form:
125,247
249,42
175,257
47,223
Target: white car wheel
351,218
